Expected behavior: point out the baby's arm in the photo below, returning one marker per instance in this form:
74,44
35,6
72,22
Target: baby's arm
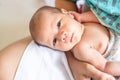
84,17
113,68
93,57
90,55
82,69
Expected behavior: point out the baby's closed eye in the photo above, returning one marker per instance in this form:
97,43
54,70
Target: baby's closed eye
59,24
54,41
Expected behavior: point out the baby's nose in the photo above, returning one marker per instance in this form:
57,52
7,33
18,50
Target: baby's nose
62,36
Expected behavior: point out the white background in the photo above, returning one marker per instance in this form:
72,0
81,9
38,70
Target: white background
14,19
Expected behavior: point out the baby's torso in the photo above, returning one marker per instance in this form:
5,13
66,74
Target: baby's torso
99,38
96,36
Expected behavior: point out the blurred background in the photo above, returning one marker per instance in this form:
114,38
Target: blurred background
14,19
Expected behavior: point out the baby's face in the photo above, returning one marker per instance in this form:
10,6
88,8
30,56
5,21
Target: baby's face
59,31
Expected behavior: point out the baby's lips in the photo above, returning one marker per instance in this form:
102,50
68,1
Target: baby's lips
71,39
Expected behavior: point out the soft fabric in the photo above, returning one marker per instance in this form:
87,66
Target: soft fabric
113,51
107,11
42,63
81,6
50,2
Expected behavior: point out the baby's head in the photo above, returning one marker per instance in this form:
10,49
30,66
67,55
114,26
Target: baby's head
55,28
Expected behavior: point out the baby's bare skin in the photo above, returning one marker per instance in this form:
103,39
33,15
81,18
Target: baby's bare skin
88,72
94,44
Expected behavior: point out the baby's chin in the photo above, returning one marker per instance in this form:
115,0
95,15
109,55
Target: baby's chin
66,49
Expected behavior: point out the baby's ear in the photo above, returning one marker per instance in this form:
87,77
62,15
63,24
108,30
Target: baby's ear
66,12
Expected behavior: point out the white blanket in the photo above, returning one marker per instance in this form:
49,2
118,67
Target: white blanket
41,63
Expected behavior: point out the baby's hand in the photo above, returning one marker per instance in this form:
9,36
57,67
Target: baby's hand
106,77
76,15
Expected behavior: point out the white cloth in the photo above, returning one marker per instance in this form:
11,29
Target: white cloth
113,51
42,63
81,6
50,2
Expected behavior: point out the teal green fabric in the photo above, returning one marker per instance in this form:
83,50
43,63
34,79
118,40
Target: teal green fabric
108,12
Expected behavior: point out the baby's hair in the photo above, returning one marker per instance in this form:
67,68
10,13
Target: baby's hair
49,8
36,16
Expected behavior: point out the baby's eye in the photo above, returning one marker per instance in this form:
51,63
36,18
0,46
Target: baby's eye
54,41
58,24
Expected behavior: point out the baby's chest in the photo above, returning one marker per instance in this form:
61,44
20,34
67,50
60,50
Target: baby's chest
97,42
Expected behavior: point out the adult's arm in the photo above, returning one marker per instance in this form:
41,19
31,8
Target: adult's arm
10,58
66,4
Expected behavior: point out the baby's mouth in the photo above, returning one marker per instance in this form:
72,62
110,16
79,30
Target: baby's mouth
71,39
